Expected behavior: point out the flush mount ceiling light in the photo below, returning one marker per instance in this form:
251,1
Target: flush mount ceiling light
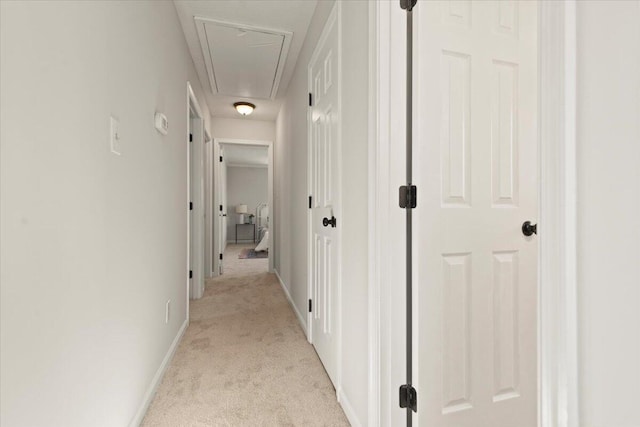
244,108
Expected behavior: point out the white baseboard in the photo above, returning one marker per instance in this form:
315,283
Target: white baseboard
301,319
157,378
348,409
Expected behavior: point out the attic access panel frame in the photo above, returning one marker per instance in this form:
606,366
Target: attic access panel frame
287,36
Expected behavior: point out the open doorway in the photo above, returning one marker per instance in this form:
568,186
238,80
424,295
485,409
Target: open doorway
244,198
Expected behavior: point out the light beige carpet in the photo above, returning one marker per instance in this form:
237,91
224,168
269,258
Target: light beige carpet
232,265
244,361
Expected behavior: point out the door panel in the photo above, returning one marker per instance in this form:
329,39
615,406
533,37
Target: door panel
323,152
475,163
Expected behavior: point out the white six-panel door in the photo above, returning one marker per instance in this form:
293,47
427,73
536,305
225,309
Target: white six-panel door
475,164
324,190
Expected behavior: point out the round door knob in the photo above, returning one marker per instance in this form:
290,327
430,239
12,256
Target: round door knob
327,221
529,229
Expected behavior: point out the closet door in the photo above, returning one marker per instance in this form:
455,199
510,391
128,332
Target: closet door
475,165
325,196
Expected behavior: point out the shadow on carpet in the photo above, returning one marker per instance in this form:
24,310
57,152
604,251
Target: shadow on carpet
251,254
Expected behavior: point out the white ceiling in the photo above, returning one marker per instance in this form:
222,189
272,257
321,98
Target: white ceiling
243,60
280,16
245,155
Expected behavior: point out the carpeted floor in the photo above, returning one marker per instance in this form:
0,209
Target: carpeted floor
235,266
251,254
244,361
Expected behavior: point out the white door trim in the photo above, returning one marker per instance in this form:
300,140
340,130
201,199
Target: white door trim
558,391
378,197
197,258
272,210
558,326
209,213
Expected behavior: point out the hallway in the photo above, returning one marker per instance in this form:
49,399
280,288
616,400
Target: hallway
448,197
244,361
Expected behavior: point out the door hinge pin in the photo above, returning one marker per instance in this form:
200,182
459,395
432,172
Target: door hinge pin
408,196
408,397
408,4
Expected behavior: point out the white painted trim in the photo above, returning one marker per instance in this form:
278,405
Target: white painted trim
246,165
558,327
334,18
299,315
194,100
254,142
380,241
195,261
558,361
188,189
210,213
157,378
270,194
377,103
338,11
348,408
209,208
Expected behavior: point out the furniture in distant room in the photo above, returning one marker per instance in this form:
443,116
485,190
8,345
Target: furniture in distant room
262,219
241,210
253,227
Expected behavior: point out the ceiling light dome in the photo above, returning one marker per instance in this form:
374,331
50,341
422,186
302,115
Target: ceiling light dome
244,108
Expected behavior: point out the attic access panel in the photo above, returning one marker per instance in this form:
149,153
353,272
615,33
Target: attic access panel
242,60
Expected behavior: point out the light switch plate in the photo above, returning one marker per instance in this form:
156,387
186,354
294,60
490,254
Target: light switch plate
161,123
114,136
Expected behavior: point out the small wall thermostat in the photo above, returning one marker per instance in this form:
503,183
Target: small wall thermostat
162,124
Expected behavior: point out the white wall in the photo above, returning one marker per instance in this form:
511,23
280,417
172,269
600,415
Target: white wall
261,130
608,206
291,193
247,186
93,244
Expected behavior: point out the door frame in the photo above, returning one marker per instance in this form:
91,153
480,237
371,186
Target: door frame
208,205
272,212
195,230
335,19
557,281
